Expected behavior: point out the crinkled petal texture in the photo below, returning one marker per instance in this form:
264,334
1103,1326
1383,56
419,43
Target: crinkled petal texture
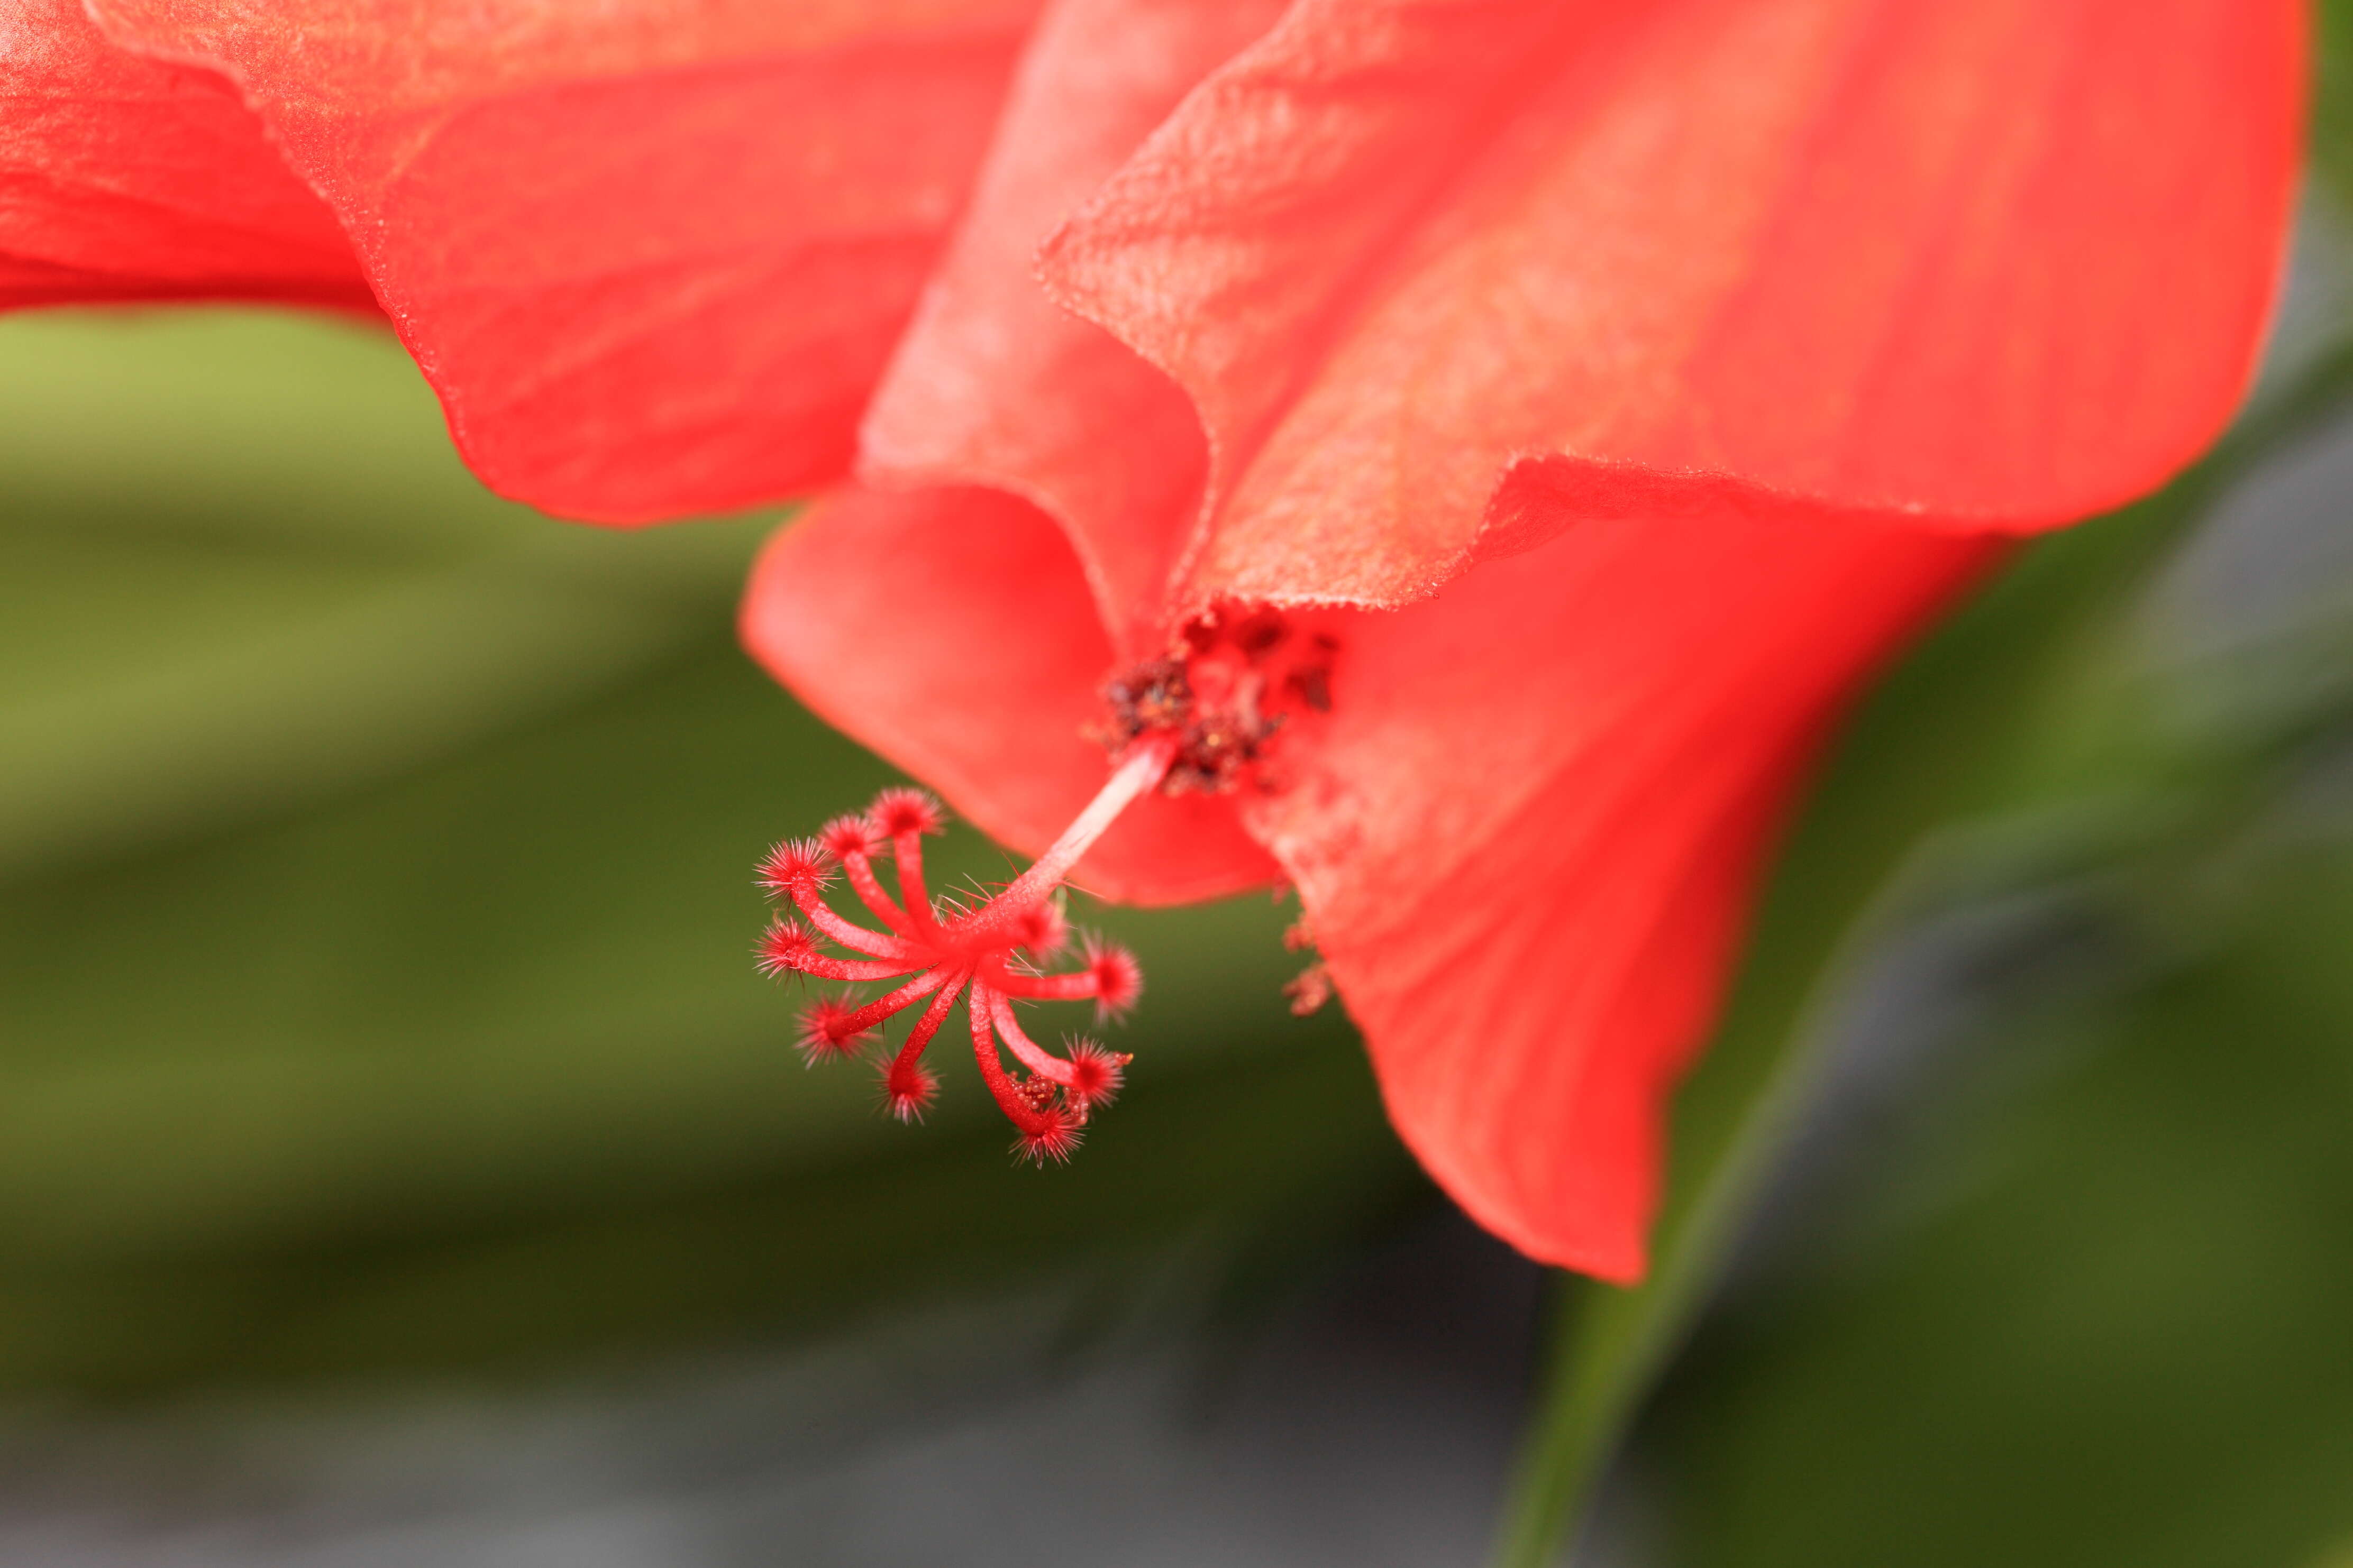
996,384
952,631
1641,374
1993,263
1523,837
1526,838
651,253
124,178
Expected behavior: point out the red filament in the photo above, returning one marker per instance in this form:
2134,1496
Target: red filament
991,956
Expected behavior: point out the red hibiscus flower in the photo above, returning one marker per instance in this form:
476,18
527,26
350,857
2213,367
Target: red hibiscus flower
1480,441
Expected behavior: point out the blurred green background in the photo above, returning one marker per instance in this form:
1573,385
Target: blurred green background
377,1015
376,921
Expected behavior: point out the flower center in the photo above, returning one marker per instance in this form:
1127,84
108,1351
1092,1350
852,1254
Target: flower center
1233,679
1200,718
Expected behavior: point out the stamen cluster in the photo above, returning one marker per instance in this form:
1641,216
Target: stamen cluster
992,955
1229,681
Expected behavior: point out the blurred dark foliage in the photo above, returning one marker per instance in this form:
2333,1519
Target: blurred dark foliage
2063,1274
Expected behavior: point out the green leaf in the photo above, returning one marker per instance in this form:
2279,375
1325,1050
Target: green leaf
2332,109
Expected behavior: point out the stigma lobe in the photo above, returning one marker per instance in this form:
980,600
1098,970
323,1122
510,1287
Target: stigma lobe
1200,718
935,953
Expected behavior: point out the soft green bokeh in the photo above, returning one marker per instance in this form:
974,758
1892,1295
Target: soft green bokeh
2093,1311
375,918
2023,721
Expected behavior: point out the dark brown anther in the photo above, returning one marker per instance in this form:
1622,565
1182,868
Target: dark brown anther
1227,684
1153,695
1261,635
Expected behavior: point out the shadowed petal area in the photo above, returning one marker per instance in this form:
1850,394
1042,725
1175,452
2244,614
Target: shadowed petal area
997,384
1526,835
653,254
122,178
1989,262
951,630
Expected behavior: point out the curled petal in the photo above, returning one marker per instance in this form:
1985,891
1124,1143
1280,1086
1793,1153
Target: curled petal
1982,263
1534,960
993,383
651,253
1525,832
124,178
952,631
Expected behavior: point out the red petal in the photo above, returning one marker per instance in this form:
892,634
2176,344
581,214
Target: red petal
124,178
651,253
1525,836
951,630
1994,262
994,384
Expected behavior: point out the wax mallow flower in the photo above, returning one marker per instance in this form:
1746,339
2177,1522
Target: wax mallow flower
1451,456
